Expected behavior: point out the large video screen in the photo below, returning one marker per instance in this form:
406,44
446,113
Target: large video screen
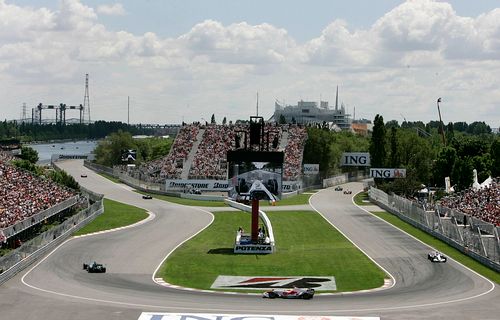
250,171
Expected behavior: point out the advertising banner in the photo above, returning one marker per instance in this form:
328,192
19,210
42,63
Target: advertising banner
311,168
220,316
358,159
202,185
387,173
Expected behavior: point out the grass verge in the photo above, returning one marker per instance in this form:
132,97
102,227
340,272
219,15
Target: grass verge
306,245
302,198
115,215
109,177
361,199
186,202
441,246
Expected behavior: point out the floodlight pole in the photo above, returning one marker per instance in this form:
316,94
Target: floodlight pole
441,122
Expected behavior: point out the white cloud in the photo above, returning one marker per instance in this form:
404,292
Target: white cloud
238,43
415,53
115,9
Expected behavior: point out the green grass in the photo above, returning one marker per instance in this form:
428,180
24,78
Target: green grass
298,199
110,177
306,245
440,246
115,215
186,202
361,199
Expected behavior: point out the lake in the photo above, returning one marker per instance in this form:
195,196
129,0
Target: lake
46,150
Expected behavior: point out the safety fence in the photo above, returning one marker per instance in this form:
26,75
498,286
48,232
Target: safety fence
30,251
30,221
473,237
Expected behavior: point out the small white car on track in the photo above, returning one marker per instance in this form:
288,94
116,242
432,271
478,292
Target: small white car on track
436,256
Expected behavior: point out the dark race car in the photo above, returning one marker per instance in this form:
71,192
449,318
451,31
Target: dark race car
436,256
295,293
339,188
94,267
83,175
147,196
347,192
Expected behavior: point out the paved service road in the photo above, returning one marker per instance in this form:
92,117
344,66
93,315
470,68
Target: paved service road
57,288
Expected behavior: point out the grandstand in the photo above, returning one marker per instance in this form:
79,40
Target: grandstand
483,204
200,151
23,197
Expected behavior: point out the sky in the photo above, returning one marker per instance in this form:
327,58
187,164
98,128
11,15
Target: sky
185,60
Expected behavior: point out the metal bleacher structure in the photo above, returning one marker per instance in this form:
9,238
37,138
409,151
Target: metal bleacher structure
471,236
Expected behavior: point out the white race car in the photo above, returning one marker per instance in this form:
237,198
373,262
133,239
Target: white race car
436,256
295,293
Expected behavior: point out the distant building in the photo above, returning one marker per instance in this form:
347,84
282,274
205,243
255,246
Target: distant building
308,112
362,126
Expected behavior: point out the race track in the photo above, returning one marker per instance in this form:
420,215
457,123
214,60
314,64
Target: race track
56,287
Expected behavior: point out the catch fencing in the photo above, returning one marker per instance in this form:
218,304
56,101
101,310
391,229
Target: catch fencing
473,237
29,252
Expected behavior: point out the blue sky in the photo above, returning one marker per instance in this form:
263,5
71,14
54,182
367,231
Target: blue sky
184,60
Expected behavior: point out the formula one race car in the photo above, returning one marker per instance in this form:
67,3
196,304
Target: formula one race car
83,175
147,196
295,293
436,256
347,191
94,267
339,188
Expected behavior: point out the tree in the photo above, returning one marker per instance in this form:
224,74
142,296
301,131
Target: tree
224,121
461,175
378,151
495,156
282,119
29,154
212,120
109,151
478,128
394,157
444,164
318,149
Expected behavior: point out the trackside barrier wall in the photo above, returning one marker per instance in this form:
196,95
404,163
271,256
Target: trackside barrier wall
11,231
344,178
29,252
262,215
475,238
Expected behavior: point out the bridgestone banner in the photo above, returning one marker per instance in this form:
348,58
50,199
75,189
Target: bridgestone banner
387,173
202,185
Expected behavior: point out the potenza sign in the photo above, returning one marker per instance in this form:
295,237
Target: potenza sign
266,282
358,159
387,173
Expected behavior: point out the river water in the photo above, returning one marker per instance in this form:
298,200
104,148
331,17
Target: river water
46,150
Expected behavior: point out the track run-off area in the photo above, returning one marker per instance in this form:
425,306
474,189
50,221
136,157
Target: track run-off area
56,288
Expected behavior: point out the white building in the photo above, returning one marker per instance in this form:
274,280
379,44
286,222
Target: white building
307,112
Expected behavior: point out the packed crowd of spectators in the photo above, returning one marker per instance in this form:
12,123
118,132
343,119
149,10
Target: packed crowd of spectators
210,160
23,194
482,204
294,150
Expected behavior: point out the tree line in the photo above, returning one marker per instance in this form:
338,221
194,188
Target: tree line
28,132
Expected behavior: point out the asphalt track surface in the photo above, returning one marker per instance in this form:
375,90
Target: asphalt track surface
58,288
